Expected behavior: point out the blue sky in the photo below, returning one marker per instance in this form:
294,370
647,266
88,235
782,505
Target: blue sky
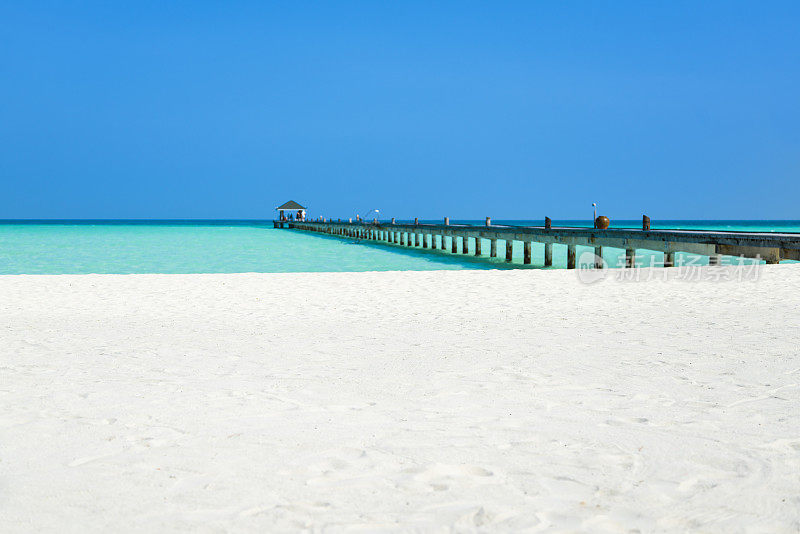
466,109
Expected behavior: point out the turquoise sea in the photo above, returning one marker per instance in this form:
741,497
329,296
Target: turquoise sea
82,247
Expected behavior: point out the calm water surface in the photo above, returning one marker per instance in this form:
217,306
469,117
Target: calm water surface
244,246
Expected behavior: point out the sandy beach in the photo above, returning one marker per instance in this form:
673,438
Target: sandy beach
397,401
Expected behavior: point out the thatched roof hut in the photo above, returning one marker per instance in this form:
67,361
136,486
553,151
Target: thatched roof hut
291,206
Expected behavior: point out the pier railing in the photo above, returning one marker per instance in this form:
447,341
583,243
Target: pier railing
768,246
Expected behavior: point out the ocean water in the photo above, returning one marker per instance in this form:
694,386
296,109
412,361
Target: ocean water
124,247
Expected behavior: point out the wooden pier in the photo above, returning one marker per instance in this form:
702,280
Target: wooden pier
768,246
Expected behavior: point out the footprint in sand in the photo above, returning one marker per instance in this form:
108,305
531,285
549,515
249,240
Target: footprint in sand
441,477
621,421
345,465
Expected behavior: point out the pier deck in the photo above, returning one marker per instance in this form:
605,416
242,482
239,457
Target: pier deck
768,246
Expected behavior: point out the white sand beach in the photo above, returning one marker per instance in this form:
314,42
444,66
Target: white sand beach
397,401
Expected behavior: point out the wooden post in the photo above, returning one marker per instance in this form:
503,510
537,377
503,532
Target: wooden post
403,238
488,221
477,245
598,260
464,244
526,253
424,240
509,249
548,254
669,259
453,245
630,258
392,220
416,221
446,221
493,248
570,256
547,223
645,222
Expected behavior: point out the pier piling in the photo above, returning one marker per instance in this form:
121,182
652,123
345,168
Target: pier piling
570,256
526,253
630,258
509,250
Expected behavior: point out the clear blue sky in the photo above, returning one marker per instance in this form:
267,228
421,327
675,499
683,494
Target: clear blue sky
467,109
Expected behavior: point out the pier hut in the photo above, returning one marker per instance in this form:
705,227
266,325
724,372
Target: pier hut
296,212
